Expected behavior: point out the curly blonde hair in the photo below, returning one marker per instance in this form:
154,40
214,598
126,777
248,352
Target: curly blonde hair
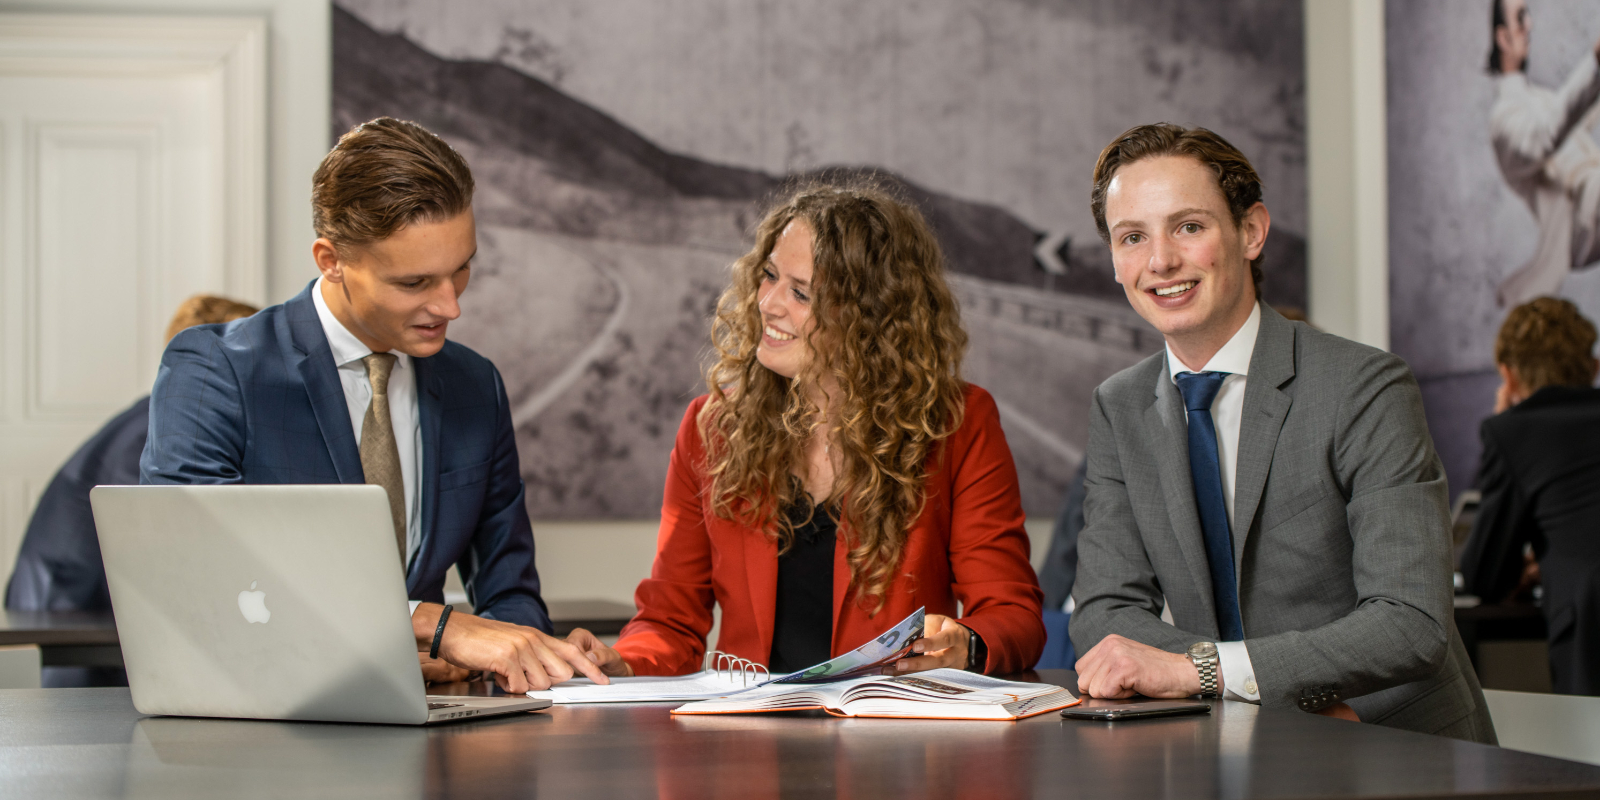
880,299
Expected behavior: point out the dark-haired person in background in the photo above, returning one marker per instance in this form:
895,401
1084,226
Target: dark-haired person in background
1540,478
839,474
1542,144
59,567
1274,485
353,381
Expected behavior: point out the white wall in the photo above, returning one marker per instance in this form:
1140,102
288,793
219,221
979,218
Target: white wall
298,107
1348,270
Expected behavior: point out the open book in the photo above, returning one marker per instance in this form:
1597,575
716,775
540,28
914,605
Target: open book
726,675
935,694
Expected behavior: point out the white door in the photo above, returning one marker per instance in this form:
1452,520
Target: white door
132,164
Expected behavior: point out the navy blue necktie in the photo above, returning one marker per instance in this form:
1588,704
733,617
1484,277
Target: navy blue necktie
1205,469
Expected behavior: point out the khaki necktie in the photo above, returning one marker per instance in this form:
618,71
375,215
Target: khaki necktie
380,455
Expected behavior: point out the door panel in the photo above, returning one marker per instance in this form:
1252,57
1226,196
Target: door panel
131,164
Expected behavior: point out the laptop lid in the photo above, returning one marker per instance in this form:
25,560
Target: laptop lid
263,602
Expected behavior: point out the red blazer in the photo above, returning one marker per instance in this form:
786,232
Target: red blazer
968,546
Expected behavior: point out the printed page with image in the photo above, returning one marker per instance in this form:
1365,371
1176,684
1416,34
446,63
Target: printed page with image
935,694
735,675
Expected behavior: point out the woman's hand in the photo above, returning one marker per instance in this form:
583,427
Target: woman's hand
609,660
943,644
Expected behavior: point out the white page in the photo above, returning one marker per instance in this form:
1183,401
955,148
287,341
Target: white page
698,686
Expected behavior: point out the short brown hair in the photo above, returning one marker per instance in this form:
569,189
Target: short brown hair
384,175
205,309
1237,179
1547,343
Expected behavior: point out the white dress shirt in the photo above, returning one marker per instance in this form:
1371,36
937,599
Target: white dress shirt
1227,412
347,354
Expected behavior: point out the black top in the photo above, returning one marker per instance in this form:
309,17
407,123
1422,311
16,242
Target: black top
59,567
1540,478
802,630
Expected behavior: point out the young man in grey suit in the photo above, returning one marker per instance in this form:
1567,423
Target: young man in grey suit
1274,486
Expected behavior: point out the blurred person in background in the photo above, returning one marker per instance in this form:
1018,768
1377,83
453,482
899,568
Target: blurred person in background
1540,478
59,567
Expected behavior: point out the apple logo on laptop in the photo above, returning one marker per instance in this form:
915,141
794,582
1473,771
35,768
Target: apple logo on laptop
253,605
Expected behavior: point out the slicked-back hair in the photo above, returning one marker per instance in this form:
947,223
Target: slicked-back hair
1547,342
382,176
1240,185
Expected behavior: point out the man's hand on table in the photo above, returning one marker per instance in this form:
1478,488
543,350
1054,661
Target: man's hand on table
607,659
1120,667
520,657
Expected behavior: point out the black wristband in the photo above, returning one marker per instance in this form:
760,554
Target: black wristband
977,652
438,633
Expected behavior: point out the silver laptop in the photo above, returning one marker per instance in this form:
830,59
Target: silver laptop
267,602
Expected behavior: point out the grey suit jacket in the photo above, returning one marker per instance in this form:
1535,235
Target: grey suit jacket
1341,537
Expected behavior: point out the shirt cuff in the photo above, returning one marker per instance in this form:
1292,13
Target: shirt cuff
1238,677
414,604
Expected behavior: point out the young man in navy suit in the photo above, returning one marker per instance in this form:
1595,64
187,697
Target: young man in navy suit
353,381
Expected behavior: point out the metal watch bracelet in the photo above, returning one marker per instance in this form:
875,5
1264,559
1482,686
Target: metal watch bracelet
1204,657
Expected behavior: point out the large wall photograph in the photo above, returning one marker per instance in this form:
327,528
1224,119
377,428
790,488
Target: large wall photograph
623,151
1487,199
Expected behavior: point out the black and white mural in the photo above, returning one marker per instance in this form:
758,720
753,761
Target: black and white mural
1494,184
623,149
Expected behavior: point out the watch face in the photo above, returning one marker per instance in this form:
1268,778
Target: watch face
1203,649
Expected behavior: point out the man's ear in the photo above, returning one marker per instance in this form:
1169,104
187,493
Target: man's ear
328,263
1254,229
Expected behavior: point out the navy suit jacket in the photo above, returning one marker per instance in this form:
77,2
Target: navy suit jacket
258,400
59,567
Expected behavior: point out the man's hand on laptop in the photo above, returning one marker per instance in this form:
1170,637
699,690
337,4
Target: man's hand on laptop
438,670
520,657
1121,667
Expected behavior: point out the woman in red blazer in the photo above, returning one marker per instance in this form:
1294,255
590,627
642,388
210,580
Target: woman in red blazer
839,474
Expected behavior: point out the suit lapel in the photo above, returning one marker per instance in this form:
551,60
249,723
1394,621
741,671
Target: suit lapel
314,360
430,411
1265,408
1167,422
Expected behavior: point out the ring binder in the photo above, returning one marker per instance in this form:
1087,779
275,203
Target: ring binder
749,672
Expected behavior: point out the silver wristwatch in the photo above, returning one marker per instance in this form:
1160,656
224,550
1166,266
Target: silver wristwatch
1204,657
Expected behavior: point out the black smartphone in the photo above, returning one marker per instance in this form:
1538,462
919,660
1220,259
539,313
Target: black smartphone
1111,710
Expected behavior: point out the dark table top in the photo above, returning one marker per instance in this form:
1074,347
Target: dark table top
91,743
58,628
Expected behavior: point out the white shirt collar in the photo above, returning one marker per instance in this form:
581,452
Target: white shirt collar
344,344
1233,358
